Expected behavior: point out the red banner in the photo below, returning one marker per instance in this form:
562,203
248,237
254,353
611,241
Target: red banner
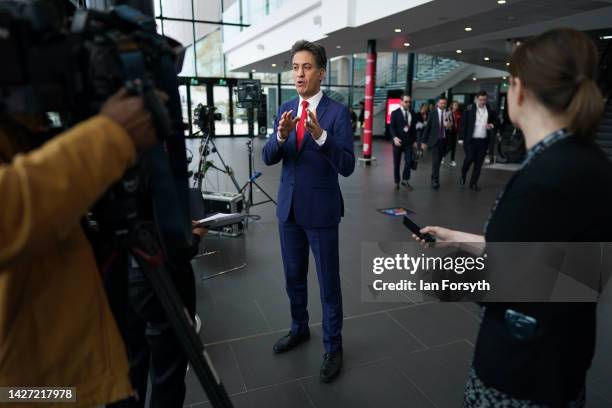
392,104
368,116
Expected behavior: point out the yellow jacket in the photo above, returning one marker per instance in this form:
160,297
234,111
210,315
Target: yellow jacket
56,328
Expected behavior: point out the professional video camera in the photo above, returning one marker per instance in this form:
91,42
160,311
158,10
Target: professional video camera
248,93
204,118
49,67
65,63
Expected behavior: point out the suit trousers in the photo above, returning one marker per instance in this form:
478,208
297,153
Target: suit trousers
406,150
437,154
295,241
475,152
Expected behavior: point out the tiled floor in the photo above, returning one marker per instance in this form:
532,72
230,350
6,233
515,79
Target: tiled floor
396,354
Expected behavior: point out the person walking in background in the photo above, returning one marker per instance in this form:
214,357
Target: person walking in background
421,119
535,355
477,124
435,138
353,120
455,118
361,120
403,132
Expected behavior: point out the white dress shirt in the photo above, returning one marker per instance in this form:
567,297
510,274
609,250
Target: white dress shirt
313,102
482,117
406,114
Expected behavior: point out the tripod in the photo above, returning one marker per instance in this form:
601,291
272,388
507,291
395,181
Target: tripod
204,165
252,175
139,237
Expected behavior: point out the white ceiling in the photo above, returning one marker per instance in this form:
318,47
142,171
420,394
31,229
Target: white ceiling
437,28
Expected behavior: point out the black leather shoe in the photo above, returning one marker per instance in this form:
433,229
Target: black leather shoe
396,186
475,187
406,184
289,341
462,180
435,185
332,364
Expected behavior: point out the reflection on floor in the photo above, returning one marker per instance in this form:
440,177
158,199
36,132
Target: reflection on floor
396,354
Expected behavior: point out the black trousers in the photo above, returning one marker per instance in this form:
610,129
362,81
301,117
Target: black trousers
406,150
475,152
452,145
437,154
154,351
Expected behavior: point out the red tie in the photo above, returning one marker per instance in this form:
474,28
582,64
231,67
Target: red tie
300,126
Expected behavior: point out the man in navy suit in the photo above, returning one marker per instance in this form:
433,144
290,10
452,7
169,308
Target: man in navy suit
315,146
403,130
435,138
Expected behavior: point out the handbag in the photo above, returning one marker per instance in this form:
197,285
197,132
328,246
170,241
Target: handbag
416,156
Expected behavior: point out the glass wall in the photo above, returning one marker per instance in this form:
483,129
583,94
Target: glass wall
203,25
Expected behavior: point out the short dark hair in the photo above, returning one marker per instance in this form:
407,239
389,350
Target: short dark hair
481,93
443,97
404,94
318,51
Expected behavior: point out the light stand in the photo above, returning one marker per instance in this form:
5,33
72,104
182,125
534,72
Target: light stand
248,93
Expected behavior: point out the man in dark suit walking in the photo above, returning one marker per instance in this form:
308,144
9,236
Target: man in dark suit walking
403,130
477,126
435,138
315,146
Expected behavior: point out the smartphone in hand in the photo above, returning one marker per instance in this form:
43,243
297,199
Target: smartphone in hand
416,230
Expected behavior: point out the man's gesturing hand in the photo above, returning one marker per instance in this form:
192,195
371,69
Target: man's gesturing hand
313,125
286,124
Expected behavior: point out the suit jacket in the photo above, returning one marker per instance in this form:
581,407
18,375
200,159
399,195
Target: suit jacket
309,180
430,133
398,122
468,122
570,179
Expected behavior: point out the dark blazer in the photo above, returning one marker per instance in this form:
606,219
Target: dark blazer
309,178
468,122
398,122
430,133
570,180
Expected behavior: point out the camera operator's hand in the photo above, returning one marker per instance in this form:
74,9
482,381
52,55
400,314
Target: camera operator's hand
129,111
286,124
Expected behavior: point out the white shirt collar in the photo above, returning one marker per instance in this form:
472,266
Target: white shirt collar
313,101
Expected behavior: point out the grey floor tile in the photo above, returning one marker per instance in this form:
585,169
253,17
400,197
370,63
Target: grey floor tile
230,320
260,367
595,400
373,337
438,323
601,387
226,367
374,385
287,395
440,372
471,307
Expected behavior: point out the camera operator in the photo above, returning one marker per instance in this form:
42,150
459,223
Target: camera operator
56,328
